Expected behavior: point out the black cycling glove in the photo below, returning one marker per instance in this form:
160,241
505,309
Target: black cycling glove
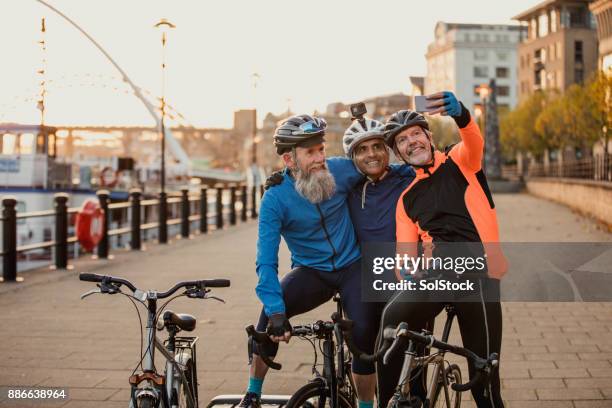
278,324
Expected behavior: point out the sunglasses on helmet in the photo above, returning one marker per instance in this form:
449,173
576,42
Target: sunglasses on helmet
310,127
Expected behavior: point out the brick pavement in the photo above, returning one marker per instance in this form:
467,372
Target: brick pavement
554,354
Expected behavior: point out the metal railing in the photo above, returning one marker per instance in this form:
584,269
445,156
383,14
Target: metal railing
596,168
176,209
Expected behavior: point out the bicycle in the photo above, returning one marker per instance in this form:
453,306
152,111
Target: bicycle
178,386
334,388
401,340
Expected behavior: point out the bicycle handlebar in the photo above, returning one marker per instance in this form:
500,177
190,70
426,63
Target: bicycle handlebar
94,277
346,326
397,339
318,328
262,338
202,284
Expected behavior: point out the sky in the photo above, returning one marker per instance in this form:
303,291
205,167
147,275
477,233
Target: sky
307,54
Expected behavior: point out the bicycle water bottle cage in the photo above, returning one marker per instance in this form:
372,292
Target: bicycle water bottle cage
181,320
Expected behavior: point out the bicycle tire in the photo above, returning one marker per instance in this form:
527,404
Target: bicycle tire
191,386
308,397
146,403
453,376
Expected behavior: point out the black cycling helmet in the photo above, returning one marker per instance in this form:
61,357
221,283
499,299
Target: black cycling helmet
402,120
300,130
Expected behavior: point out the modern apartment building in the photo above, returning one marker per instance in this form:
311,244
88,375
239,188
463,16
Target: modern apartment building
464,56
560,47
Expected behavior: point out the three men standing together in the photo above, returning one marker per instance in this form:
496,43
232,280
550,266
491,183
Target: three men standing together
326,208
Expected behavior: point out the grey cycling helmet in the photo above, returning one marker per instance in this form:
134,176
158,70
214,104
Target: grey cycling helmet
360,131
299,130
400,121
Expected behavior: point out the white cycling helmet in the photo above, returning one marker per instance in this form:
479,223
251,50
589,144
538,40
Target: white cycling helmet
360,131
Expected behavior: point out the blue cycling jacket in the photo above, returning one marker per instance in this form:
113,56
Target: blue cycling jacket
319,236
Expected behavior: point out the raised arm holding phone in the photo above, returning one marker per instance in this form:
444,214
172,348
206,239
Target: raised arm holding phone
448,201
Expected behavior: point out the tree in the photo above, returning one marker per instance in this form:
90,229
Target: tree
599,106
550,123
579,117
444,131
517,129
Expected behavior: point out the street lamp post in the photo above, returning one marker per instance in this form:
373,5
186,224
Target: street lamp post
164,25
483,91
255,78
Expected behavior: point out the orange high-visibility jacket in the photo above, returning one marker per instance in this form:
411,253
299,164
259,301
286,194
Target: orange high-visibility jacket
450,201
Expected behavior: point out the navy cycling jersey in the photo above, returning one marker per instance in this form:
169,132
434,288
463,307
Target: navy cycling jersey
372,204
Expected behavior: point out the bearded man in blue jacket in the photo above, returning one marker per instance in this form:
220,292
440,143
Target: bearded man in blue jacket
308,208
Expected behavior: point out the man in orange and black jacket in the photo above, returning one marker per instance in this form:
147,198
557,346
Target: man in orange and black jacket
448,202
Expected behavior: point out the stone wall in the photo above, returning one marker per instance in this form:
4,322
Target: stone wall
593,198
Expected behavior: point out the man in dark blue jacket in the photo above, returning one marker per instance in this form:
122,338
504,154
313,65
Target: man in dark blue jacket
372,203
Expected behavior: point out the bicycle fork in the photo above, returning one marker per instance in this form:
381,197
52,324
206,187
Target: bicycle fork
329,371
409,355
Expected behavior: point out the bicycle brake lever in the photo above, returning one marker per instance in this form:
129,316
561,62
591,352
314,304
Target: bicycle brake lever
109,288
91,292
215,298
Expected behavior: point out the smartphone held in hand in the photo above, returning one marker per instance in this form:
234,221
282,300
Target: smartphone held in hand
420,104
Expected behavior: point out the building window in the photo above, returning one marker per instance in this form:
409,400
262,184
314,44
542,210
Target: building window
503,90
577,51
553,21
480,55
543,25
481,72
577,17
502,56
467,37
501,72
578,75
537,77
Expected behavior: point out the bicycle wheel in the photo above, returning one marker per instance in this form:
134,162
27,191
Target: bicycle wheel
190,387
315,395
146,403
445,396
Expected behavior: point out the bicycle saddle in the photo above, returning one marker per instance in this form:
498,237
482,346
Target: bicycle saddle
182,320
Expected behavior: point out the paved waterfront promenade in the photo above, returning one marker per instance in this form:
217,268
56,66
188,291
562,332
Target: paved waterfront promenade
554,354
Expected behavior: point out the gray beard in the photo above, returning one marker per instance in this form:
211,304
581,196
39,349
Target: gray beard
316,187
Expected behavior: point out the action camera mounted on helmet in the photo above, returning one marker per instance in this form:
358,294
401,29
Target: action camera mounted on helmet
358,110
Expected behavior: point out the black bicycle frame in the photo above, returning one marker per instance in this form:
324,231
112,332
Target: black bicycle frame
334,372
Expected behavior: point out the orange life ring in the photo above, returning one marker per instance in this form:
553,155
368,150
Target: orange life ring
89,224
104,177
